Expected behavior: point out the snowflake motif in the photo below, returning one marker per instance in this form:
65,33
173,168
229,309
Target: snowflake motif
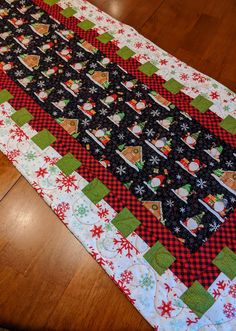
155,112
124,289
232,199
124,246
97,150
166,308
97,231
180,149
170,203
93,90
115,72
66,182
178,176
18,73
60,91
184,126
12,155
18,134
41,172
121,136
18,50
71,113
146,282
85,122
103,111
85,140
213,227
154,159
19,30
208,136
68,74
30,156
121,170
41,84
61,209
229,310
93,65
54,113
182,209
80,54
48,59
38,189
127,276
100,260
150,132
138,94
232,291
177,229
229,163
139,189
201,183
81,210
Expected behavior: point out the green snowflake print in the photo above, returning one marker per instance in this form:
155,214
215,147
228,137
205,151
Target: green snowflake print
81,210
30,156
146,282
52,169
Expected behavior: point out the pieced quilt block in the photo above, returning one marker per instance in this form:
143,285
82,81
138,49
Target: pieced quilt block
148,69
68,163
86,25
68,12
201,103
226,262
43,139
229,124
173,86
5,96
22,116
125,52
126,222
105,37
95,190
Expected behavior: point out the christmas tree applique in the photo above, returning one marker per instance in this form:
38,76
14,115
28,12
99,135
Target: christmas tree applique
100,78
100,135
88,108
137,105
155,207
30,61
160,100
137,128
183,192
40,29
162,146
214,152
132,155
194,224
190,139
227,178
217,204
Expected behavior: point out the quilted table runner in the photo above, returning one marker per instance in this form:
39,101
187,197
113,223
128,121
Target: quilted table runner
132,149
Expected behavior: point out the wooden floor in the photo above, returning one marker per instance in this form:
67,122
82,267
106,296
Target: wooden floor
47,280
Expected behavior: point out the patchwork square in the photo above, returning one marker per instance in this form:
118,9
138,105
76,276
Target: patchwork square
105,37
148,69
229,124
51,2
173,86
86,25
201,103
5,96
159,258
197,299
43,139
95,190
21,116
126,222
68,163
125,52
226,262
68,12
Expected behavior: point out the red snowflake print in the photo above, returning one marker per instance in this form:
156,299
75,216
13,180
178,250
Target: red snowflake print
61,209
193,321
41,172
1,123
124,289
167,287
138,44
124,246
18,134
38,189
184,76
99,18
66,182
83,7
232,290
166,308
12,155
103,213
229,310
163,62
100,260
97,231
221,284
127,276
198,77
121,31
214,95
216,293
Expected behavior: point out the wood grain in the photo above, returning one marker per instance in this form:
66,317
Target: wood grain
47,279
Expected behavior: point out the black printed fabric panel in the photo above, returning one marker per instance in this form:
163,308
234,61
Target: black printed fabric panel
177,168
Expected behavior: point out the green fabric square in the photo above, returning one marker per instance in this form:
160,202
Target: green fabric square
105,37
21,116
5,96
68,12
159,258
125,222
125,52
229,124
51,2
201,103
173,86
86,25
148,69
197,299
226,262
43,139
68,163
95,190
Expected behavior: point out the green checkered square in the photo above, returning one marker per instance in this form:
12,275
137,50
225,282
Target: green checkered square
159,258
95,190
226,262
43,139
201,103
125,52
229,124
21,116
105,37
86,25
125,222
68,12
5,96
68,163
173,86
197,299
148,69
